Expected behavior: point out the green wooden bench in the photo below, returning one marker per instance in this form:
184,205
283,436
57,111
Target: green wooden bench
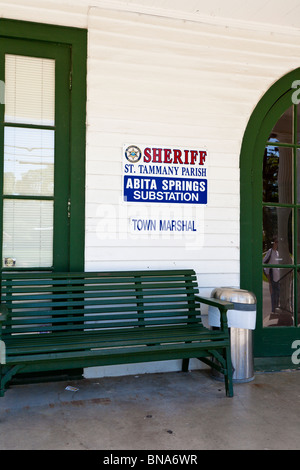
61,321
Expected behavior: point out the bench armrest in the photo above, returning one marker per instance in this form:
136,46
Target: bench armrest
222,305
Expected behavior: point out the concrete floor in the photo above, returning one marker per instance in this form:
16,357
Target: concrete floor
165,411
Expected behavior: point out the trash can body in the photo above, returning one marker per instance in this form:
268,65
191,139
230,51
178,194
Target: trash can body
241,354
241,322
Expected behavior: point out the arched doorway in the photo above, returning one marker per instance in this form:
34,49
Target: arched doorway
270,217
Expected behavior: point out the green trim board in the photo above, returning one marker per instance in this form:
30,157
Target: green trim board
275,341
274,364
73,41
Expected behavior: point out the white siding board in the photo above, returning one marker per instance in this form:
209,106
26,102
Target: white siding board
212,226
97,152
196,60
223,199
101,196
224,173
160,128
107,167
105,181
160,253
214,146
149,70
212,240
213,45
212,267
191,33
183,117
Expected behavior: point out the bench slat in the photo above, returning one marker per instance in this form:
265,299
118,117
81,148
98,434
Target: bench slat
167,307
89,341
97,294
67,326
88,318
118,351
105,274
105,285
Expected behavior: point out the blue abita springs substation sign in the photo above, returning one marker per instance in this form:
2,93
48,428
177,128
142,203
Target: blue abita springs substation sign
153,174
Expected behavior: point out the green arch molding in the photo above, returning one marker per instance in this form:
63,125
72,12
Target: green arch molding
265,115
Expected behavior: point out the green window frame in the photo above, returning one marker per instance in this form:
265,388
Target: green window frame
71,46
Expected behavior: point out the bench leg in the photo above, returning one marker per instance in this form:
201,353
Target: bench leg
185,365
6,373
228,376
2,386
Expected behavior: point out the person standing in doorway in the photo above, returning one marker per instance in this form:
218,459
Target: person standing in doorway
273,276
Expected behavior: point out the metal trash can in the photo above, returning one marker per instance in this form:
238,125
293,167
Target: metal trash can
241,322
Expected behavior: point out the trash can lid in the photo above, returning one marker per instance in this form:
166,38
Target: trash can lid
232,294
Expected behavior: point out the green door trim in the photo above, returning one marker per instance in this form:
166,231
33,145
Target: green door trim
76,39
275,101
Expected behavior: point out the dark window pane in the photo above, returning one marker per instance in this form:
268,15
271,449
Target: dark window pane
298,296
298,239
283,130
298,175
278,297
278,175
277,227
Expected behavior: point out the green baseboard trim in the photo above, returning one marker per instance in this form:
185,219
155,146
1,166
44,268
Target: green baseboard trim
273,364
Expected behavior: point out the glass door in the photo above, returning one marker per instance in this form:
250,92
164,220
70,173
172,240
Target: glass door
280,256
280,228
281,204
35,143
